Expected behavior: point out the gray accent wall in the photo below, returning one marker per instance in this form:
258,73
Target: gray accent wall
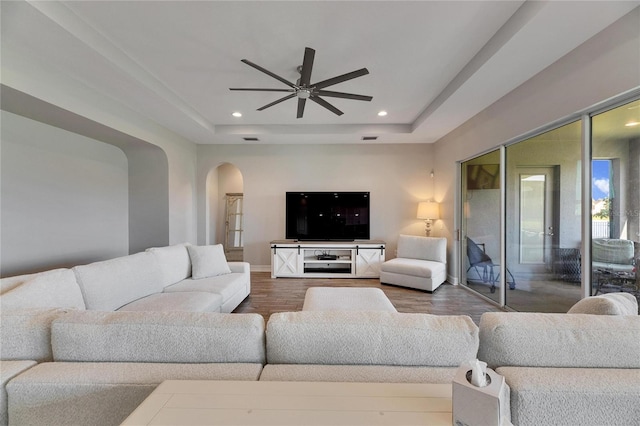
65,198
148,197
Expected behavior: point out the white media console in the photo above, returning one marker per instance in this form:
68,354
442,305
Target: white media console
327,259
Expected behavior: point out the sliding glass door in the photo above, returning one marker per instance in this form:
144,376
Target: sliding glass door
524,204
543,238
481,225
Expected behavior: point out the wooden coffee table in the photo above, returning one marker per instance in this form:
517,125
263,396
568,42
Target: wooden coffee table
202,402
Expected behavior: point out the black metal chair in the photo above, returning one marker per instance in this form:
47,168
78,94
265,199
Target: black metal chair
478,259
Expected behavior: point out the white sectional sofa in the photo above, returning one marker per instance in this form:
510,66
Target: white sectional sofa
175,278
99,366
55,376
93,368
566,369
73,366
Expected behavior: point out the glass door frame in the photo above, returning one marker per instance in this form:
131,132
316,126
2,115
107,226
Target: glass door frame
460,233
585,117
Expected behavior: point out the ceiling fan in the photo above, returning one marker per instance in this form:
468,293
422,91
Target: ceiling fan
303,89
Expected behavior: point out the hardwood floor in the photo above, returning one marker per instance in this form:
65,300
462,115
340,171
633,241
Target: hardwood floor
269,295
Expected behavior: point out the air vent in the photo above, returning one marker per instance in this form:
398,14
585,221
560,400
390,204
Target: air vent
251,139
369,138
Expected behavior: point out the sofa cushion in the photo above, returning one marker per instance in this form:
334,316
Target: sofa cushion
573,396
413,267
26,334
56,288
64,394
426,248
113,283
599,267
559,340
370,338
208,261
357,373
607,304
225,285
177,301
191,337
174,262
612,251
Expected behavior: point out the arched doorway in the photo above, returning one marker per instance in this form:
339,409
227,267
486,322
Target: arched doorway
225,201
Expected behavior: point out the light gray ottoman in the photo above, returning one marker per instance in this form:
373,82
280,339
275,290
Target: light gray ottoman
346,299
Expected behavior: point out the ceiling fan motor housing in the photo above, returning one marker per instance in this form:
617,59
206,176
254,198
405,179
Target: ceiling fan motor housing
303,93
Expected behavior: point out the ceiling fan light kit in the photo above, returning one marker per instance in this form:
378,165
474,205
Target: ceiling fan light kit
303,89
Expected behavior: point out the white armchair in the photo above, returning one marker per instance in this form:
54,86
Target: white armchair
421,263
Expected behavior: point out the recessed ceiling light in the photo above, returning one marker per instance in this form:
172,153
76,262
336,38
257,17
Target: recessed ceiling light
237,114
632,123
382,113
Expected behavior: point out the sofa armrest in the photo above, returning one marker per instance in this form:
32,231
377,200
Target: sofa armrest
26,334
239,267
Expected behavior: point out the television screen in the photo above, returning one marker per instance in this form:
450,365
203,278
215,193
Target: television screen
323,216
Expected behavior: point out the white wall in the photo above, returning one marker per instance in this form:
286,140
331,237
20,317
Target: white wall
603,67
396,175
64,197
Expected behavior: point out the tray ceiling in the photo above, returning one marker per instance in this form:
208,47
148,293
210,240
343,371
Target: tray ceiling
433,64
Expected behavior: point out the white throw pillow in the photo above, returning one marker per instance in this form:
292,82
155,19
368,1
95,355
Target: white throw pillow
175,263
607,304
208,261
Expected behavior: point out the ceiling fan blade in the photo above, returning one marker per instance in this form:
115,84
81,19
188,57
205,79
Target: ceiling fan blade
307,65
277,102
262,90
269,73
341,78
344,95
301,103
326,104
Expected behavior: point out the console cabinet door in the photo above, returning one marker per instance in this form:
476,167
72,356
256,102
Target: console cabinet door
285,262
368,262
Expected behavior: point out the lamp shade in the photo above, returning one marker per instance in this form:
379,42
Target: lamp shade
428,210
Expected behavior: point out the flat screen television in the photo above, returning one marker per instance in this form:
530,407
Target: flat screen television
327,216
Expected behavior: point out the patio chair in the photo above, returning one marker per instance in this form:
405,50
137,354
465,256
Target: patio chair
614,263
478,259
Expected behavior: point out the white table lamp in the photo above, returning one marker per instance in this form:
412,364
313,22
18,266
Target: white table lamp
428,211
